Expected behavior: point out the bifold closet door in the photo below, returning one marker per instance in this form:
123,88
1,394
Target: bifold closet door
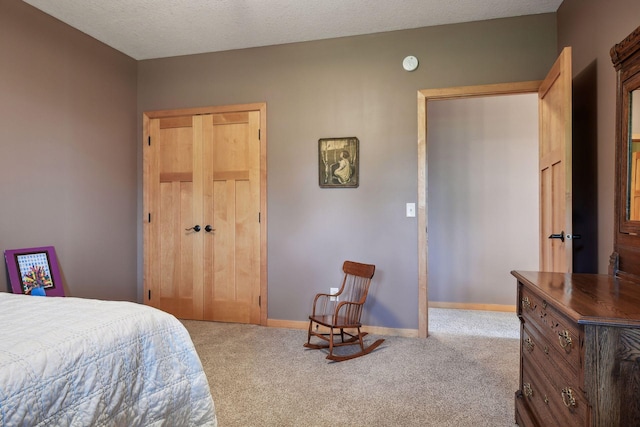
231,152
175,246
204,217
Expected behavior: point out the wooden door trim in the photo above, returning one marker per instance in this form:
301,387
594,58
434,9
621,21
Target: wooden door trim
159,114
424,96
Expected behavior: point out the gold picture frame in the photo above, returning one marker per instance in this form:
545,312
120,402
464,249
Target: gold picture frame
338,162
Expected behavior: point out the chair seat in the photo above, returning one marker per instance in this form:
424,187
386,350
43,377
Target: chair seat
339,322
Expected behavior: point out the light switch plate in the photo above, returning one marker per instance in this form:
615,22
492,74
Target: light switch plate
411,210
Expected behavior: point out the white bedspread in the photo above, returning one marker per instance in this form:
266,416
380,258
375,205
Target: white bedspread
81,362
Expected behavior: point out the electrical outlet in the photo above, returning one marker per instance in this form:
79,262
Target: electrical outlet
411,210
333,291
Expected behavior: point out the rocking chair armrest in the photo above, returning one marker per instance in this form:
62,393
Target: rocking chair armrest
342,304
351,311
320,302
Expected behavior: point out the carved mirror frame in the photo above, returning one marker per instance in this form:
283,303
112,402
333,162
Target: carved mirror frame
625,261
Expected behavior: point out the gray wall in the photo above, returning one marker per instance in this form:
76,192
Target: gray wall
68,163
70,167
591,28
483,210
351,86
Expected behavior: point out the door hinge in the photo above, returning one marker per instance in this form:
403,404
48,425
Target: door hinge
259,217
149,294
259,300
149,141
149,216
259,134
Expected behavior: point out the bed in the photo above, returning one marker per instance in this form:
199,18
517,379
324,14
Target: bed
82,362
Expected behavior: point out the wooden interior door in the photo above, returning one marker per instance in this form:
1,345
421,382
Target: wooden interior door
231,154
204,232
556,250
172,248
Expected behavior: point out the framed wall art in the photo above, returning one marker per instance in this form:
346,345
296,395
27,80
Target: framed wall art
338,162
34,268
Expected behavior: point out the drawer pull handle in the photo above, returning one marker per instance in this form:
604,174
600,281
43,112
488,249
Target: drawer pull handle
565,340
527,390
529,344
526,303
567,397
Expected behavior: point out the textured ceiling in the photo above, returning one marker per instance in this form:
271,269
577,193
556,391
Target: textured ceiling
145,29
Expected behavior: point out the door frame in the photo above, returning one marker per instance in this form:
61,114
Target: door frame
424,96
260,106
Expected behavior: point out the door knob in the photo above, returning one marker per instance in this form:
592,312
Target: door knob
208,228
195,228
558,236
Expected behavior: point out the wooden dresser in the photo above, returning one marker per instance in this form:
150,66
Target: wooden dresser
579,350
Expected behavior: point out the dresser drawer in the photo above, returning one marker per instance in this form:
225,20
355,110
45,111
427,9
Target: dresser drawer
555,401
557,332
538,348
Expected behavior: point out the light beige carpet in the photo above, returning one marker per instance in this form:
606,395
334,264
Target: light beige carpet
464,374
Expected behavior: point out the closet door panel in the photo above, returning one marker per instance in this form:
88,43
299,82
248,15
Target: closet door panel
232,285
173,240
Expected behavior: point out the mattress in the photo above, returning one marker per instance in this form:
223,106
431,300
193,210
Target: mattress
82,362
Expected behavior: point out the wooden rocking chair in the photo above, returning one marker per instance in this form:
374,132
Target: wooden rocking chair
342,311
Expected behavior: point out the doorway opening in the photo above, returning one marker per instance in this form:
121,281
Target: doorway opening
424,98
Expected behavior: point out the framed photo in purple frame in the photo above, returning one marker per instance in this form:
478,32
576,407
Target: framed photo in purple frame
31,268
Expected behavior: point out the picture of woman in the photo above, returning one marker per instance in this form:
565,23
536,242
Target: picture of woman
343,171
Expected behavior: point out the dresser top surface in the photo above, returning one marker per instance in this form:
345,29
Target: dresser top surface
588,298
